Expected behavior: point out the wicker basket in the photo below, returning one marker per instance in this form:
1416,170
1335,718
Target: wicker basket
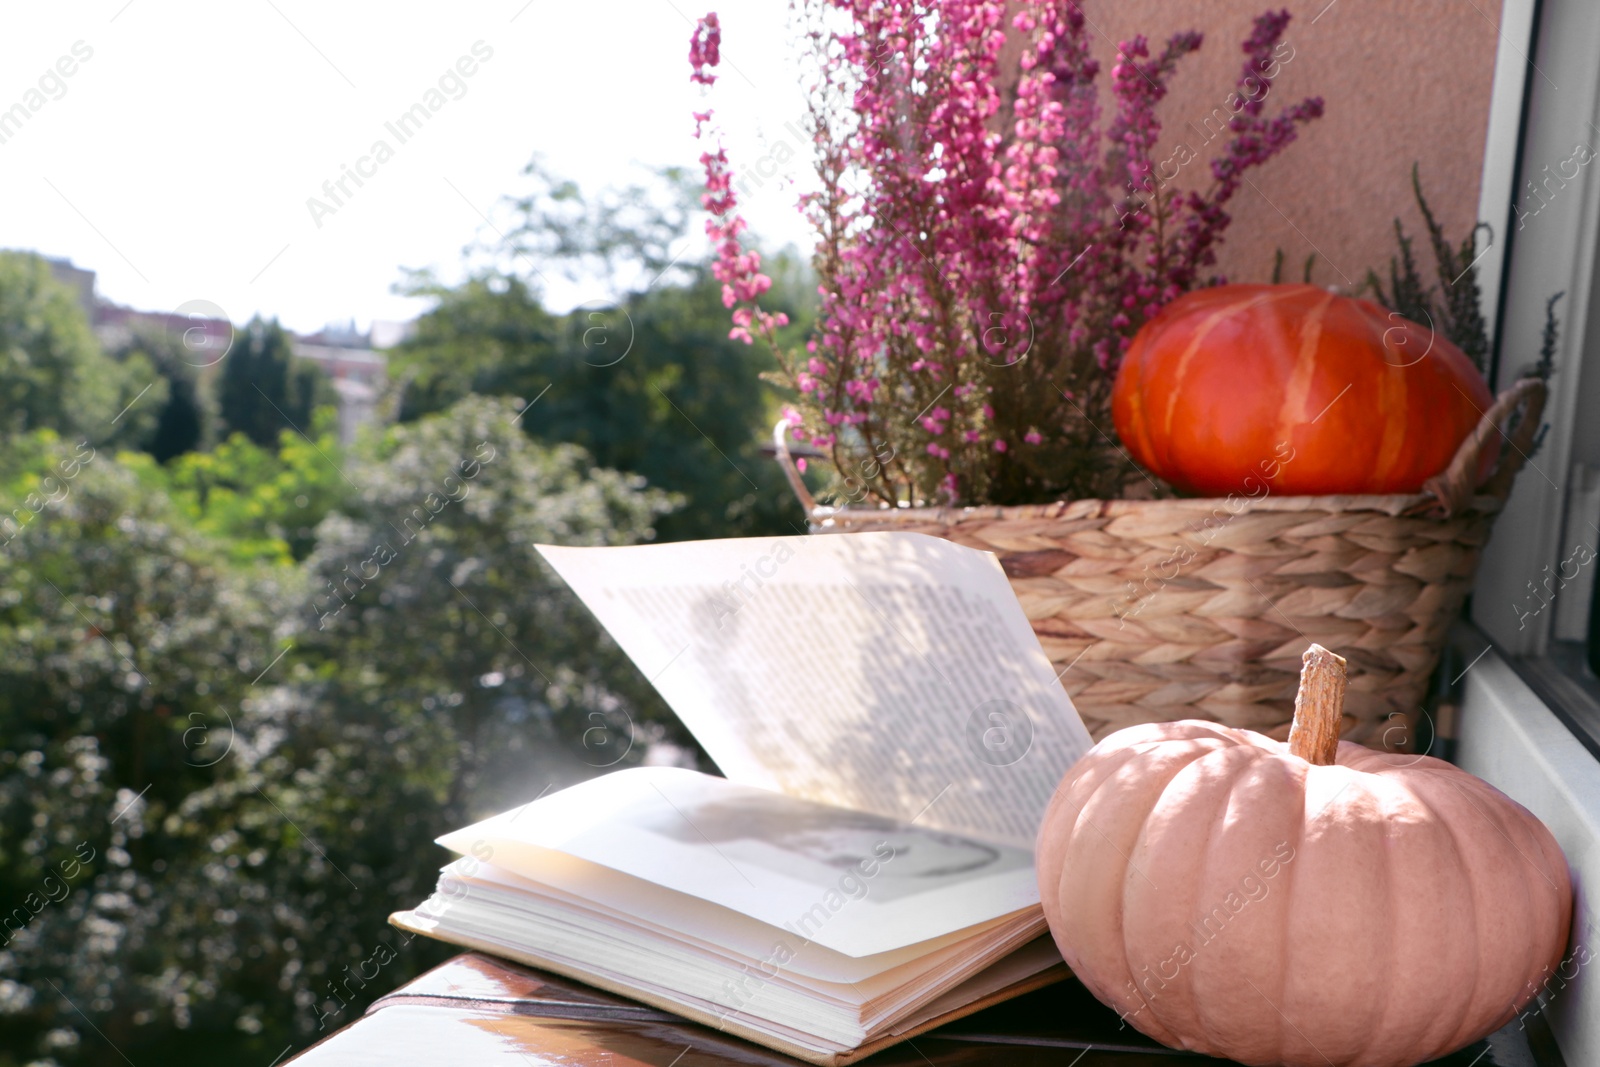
1200,608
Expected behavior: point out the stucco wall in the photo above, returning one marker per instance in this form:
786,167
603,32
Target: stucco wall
1403,81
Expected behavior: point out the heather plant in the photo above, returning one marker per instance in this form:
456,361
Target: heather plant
988,243
1454,306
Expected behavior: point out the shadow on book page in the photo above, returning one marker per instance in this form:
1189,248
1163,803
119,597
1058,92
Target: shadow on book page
850,881
893,673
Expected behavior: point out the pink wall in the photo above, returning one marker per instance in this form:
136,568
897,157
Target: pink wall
1403,80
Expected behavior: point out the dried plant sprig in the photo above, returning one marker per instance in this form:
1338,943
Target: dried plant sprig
1454,305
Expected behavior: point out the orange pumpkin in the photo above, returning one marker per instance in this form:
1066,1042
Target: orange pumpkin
1309,903
1237,387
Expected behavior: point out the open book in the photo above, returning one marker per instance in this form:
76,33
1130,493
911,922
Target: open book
890,731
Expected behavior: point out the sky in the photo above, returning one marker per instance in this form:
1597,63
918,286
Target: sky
173,147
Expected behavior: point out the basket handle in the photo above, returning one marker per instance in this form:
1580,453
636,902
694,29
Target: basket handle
1453,488
780,445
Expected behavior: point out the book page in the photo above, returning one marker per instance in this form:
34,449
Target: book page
892,673
850,881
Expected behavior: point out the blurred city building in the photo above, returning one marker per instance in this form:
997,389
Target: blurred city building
353,360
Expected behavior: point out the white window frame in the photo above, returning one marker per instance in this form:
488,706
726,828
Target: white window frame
1554,250
1546,100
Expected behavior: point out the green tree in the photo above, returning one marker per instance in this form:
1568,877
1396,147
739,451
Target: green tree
263,389
54,374
187,421
473,341
262,503
436,609
648,383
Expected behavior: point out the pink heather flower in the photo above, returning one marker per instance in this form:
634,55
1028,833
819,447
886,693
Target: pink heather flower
737,270
862,390
705,50
948,488
999,235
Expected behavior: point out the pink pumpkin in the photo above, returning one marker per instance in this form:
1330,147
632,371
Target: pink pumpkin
1308,903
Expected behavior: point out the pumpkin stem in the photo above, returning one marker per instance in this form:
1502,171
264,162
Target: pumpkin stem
1318,707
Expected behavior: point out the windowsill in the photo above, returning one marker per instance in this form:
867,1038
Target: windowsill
1563,684
1570,657
1534,743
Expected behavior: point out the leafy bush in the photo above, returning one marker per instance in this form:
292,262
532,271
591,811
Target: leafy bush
261,503
246,780
53,373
